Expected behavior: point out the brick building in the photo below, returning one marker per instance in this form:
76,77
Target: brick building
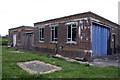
21,37
81,35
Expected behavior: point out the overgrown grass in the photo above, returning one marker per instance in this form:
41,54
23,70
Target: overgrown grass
69,70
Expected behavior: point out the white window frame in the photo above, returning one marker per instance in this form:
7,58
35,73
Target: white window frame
54,34
71,33
42,39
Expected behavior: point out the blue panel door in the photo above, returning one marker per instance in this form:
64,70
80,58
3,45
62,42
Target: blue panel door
100,40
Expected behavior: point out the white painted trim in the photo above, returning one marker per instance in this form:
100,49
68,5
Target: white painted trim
26,29
87,51
41,41
91,30
69,23
73,20
91,52
114,33
41,26
101,24
91,37
106,25
93,19
53,25
86,18
15,30
74,42
19,30
79,29
53,42
28,32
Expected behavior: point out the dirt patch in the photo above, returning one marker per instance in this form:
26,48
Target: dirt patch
35,67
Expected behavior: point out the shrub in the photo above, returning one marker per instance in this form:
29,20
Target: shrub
3,42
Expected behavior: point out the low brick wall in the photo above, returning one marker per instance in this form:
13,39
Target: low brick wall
64,52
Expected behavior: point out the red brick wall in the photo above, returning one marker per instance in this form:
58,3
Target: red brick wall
72,50
69,50
16,31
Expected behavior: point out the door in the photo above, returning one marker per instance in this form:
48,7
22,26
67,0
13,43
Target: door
28,41
25,42
14,40
100,40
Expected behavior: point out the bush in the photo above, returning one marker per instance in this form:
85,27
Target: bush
3,42
87,65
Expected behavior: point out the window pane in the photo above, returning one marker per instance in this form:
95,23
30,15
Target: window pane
55,39
42,32
73,25
41,39
40,35
74,34
69,31
55,32
10,36
52,28
69,39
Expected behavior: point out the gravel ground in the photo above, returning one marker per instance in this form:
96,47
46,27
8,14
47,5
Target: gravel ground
35,67
38,67
103,63
109,60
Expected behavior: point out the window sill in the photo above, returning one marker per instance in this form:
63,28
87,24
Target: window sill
53,42
71,42
41,41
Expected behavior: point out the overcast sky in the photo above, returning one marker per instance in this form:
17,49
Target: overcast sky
14,13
